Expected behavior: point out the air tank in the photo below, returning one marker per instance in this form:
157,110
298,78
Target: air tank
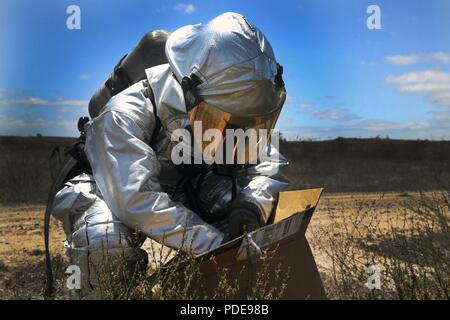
149,52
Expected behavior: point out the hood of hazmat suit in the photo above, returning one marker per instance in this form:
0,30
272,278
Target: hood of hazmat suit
237,76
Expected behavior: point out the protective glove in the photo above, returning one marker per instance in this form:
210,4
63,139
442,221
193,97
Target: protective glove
241,221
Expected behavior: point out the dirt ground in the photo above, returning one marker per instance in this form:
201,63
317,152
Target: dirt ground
22,241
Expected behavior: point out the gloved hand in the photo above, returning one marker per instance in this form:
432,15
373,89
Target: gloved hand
242,220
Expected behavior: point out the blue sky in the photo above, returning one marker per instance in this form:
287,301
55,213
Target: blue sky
342,78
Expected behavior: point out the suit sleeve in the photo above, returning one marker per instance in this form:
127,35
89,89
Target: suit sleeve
262,184
126,171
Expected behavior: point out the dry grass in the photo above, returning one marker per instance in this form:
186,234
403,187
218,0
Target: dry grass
406,239
405,234
175,276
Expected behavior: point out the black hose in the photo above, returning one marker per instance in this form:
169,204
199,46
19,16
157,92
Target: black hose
56,186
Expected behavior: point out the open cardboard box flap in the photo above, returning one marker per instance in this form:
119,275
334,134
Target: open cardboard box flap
294,202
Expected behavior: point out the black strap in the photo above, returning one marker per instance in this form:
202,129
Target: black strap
148,93
189,85
279,76
119,80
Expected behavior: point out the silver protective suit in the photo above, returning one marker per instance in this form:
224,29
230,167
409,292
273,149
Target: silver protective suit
133,186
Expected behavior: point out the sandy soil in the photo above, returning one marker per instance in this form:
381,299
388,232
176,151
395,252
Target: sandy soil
22,241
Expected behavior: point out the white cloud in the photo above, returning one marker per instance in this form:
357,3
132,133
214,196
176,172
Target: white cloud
2,91
440,117
336,114
84,77
6,123
305,105
405,80
34,101
369,63
382,125
403,59
187,8
294,103
434,82
432,129
333,113
440,98
21,127
47,123
425,87
439,56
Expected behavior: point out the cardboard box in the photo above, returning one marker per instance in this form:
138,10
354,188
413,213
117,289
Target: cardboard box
291,254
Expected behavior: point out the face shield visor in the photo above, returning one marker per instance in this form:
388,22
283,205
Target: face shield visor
225,138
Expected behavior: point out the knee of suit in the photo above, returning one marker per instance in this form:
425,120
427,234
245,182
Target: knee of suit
99,244
96,240
98,267
88,221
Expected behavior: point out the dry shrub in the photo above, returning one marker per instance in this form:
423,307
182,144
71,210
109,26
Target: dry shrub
178,276
410,247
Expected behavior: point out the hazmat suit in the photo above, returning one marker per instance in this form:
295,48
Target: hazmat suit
136,190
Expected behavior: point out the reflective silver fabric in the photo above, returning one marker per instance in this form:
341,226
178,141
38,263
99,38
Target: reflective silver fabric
127,171
92,231
263,182
234,60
